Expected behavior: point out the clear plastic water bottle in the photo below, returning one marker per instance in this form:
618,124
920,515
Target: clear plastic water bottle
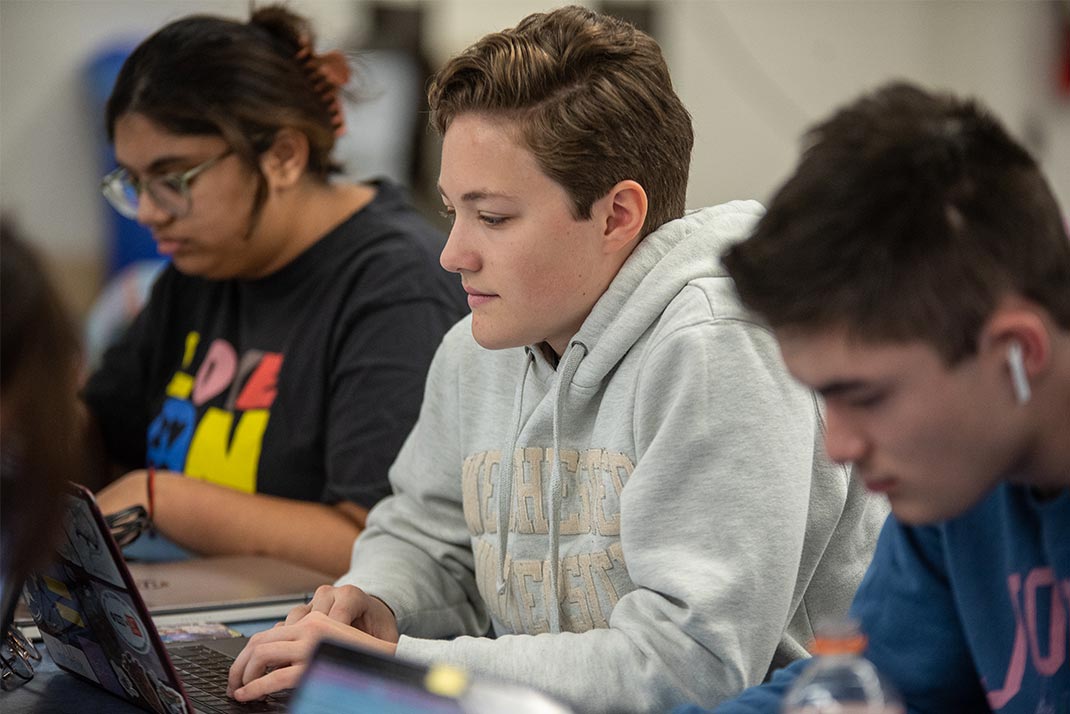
839,680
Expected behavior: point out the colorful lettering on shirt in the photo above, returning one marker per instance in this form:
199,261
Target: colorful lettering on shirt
1041,613
181,383
216,443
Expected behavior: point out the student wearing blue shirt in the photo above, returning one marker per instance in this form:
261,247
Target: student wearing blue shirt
916,272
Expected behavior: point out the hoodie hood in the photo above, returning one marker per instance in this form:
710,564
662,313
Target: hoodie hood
663,263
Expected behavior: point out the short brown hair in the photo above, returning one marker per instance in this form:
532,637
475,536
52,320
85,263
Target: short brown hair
592,99
908,217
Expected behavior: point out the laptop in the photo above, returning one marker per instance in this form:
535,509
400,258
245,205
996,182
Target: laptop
95,625
239,588
343,679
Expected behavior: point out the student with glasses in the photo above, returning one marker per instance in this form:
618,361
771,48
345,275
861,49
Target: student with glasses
257,401
39,360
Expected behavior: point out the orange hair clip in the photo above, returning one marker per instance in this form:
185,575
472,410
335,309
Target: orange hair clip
328,73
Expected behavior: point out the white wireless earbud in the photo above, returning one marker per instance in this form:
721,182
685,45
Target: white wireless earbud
1019,379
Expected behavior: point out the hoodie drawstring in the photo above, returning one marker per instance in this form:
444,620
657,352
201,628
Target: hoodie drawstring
566,371
505,474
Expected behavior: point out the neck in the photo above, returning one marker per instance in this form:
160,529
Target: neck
299,218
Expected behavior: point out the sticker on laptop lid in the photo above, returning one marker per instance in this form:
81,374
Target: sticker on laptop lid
202,631
125,622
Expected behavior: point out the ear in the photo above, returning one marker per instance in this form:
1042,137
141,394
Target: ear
1017,341
285,161
622,211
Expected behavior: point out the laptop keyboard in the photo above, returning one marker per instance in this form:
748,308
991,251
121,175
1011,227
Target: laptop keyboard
204,676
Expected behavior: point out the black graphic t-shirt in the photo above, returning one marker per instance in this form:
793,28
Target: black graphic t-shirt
303,384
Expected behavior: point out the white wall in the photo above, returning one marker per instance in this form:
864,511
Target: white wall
754,74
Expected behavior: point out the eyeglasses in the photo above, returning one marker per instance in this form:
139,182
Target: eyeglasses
127,525
17,655
170,192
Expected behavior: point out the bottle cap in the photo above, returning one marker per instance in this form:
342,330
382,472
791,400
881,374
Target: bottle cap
839,637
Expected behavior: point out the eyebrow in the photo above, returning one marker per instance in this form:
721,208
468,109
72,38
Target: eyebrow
841,387
479,195
161,164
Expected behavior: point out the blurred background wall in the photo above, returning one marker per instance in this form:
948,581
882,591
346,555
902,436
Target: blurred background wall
754,73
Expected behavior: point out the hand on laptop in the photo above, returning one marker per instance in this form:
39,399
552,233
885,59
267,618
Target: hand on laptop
276,658
353,606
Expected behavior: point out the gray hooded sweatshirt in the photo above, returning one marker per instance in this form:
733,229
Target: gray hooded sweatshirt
652,522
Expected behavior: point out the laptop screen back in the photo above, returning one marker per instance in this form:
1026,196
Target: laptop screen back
91,616
342,680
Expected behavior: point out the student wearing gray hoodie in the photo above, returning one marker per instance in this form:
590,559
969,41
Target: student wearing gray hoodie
612,473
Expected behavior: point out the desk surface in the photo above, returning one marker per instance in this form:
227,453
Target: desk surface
52,691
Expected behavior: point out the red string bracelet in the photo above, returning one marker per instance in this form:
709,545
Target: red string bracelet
150,487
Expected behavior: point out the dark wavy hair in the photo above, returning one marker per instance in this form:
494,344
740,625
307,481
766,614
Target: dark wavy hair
41,444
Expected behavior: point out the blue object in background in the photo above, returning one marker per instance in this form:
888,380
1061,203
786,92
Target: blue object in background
127,241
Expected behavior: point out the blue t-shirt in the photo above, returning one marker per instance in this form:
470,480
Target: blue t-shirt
970,615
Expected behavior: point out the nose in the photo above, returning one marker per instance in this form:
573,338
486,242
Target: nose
150,213
458,255
844,443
